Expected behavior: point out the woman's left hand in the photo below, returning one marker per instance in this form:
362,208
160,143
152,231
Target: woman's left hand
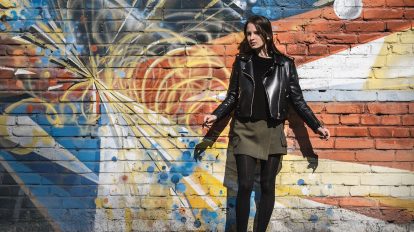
324,133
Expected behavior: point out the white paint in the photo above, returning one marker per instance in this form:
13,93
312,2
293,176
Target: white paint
322,2
23,71
57,153
55,87
6,68
20,39
348,9
345,75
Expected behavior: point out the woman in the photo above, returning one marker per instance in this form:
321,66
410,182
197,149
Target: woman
262,83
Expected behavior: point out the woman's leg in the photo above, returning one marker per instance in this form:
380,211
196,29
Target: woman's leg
246,166
268,173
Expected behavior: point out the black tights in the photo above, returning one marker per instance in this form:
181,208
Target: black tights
246,166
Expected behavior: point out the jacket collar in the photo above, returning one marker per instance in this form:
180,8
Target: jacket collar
278,59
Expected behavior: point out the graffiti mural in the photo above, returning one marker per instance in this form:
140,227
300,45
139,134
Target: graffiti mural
102,103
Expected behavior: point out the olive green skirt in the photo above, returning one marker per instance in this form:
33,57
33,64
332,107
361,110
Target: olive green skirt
258,139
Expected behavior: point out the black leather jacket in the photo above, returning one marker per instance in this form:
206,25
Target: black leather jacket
281,84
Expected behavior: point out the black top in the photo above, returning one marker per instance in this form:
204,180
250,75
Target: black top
260,103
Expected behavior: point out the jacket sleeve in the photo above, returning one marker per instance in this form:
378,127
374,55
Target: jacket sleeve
231,99
297,100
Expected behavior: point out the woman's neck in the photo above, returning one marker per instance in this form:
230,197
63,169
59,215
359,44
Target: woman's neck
262,53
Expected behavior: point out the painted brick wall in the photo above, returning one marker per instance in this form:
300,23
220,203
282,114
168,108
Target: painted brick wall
101,105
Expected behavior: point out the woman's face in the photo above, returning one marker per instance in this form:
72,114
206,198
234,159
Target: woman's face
253,37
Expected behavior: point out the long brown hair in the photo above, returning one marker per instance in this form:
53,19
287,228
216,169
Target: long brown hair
264,27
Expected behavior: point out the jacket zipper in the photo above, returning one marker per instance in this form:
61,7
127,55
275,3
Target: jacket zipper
254,87
278,100
267,94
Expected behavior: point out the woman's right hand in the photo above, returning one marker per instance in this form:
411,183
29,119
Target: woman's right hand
209,120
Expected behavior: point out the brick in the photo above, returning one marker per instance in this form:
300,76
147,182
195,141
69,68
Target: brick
409,13
394,144
318,49
370,120
297,49
408,120
320,143
397,25
286,37
232,50
316,107
329,119
399,3
339,38
399,191
340,179
359,191
345,108
362,26
369,36
329,14
353,143
340,155
351,119
324,26
371,3
357,202
411,108
387,108
389,132
382,13
400,165
351,131
404,155
155,203
381,180
335,48
374,155
391,120
157,190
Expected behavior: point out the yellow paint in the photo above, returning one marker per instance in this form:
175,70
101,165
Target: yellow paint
8,4
386,72
128,219
396,203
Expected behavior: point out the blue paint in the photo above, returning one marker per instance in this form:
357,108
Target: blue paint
301,182
38,3
197,223
271,13
183,219
121,73
186,167
313,218
162,177
71,131
191,144
209,217
180,187
2,27
329,212
39,51
329,186
186,156
114,158
150,169
277,9
40,191
70,39
175,178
